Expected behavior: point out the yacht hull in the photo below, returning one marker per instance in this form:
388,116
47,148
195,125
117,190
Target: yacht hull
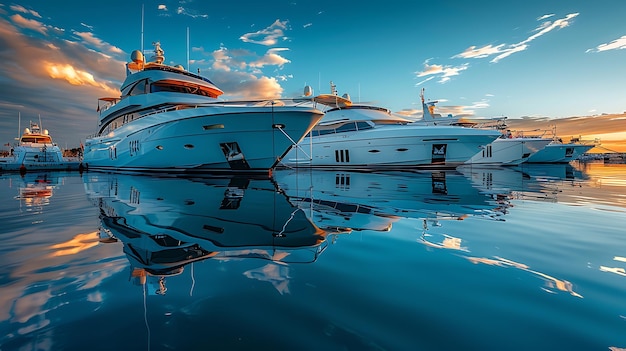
391,146
508,151
559,153
212,138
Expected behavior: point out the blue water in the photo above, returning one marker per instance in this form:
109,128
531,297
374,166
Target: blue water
529,258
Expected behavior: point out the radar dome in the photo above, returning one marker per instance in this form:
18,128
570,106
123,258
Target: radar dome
308,91
346,96
136,56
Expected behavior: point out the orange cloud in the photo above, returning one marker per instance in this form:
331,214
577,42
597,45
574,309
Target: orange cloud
30,24
609,129
74,76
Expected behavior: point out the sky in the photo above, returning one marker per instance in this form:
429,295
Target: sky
527,60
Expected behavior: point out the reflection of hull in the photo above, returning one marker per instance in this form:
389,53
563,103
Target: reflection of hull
559,153
37,188
508,151
166,223
360,200
527,180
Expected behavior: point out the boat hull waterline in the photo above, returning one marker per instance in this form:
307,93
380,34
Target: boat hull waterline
391,146
203,139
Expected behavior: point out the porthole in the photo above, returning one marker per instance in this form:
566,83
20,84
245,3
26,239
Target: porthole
159,147
402,149
189,146
213,126
374,151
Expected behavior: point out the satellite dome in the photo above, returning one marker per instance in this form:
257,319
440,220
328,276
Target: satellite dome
346,96
136,56
308,91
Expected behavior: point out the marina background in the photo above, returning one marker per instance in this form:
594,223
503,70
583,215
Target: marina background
530,61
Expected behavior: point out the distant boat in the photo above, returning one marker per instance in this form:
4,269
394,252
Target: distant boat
371,137
170,120
558,152
509,151
35,150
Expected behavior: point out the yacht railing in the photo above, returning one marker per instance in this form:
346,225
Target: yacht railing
244,103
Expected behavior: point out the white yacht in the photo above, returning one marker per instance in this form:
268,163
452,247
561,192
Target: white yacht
505,150
509,151
559,152
35,151
170,120
370,137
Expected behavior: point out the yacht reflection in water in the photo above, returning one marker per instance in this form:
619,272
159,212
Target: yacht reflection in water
375,200
167,223
36,189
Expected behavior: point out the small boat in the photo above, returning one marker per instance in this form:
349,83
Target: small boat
36,151
170,120
371,137
559,152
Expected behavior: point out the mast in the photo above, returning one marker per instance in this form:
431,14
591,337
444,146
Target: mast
187,49
142,5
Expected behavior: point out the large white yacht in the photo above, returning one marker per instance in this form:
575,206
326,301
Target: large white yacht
507,149
35,150
170,120
371,137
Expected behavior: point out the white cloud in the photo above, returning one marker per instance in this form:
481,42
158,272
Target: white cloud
444,72
485,51
545,17
504,50
268,36
616,44
271,57
22,9
191,13
89,38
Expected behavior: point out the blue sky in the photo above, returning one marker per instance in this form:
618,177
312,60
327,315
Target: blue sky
550,59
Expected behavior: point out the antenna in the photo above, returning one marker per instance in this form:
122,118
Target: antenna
19,124
142,28
187,48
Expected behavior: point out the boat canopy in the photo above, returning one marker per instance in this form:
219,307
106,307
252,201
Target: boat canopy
332,100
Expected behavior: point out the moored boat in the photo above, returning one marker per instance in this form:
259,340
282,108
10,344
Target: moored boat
559,152
170,120
509,151
35,150
371,137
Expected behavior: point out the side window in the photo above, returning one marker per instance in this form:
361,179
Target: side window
348,127
363,125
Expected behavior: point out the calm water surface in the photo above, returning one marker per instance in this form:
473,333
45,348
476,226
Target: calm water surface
529,258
